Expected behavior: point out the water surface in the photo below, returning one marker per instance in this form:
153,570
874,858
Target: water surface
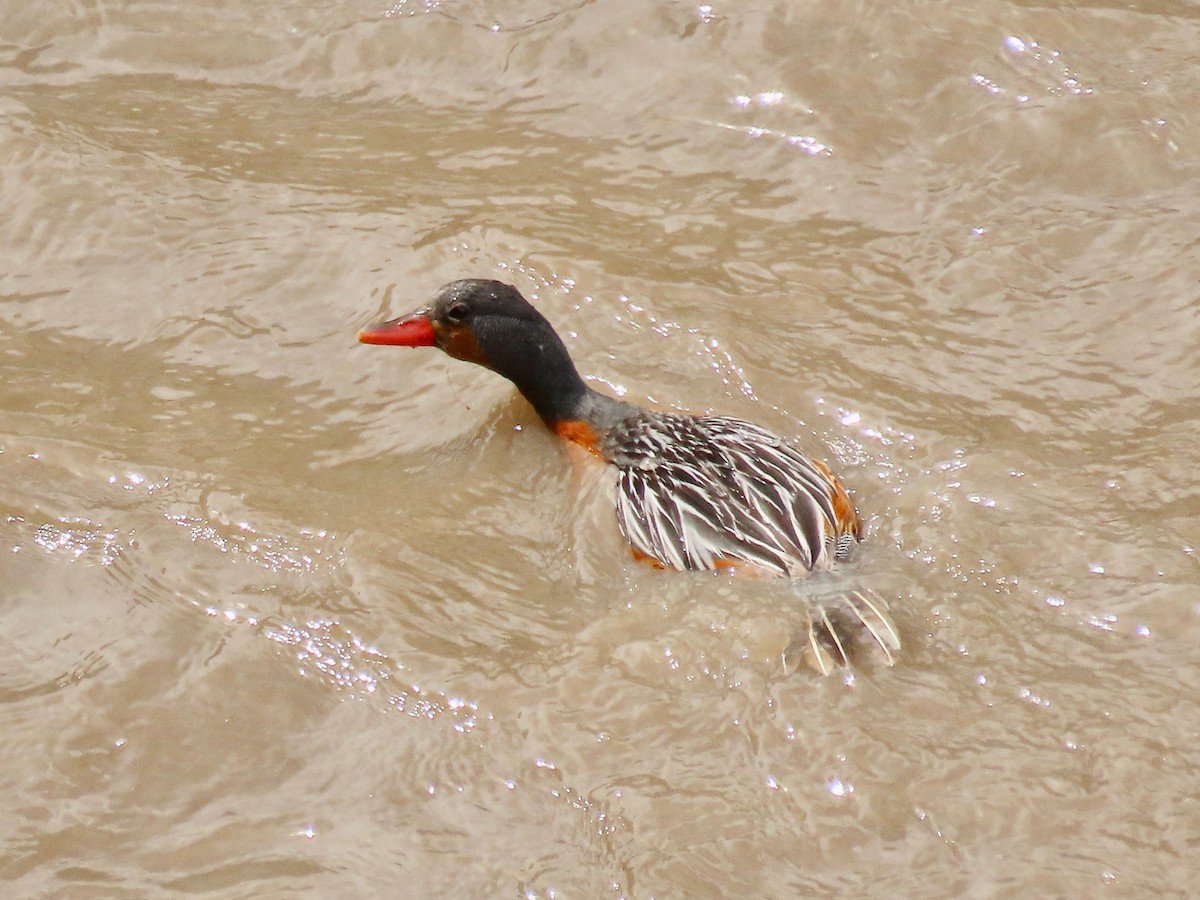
285,615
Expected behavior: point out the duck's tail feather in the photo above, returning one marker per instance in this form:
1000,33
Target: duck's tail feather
828,641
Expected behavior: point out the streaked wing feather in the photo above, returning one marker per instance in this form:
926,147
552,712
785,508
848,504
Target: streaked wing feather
717,488
872,612
696,492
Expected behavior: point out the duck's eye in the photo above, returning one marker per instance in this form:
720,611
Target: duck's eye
457,312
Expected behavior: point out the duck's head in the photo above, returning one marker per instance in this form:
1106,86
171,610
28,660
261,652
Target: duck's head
491,324
468,319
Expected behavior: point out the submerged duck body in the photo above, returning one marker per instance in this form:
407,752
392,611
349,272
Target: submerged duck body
693,492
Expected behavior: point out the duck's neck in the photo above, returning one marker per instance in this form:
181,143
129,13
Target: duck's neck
574,411
537,362
591,418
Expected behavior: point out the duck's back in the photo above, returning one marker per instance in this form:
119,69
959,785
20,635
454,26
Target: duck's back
714,491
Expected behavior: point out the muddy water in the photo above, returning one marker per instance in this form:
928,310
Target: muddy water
283,615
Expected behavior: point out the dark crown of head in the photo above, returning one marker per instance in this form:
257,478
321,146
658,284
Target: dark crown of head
477,296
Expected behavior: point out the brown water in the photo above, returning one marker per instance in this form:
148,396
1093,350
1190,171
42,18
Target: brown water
284,615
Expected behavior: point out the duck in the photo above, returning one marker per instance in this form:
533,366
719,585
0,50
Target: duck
693,492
